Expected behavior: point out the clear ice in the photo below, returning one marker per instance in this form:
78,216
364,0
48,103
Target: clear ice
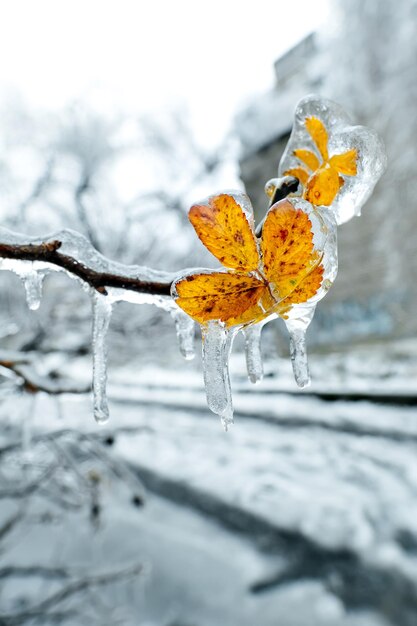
343,136
217,339
185,328
33,281
253,352
78,247
102,308
217,343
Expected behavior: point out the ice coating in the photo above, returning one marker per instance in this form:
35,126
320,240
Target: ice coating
253,352
371,161
297,327
321,225
101,319
185,328
299,317
351,159
33,281
77,246
31,275
217,344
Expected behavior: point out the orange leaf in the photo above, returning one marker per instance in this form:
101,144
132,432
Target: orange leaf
323,186
345,163
299,173
232,298
318,133
287,247
306,289
224,229
308,157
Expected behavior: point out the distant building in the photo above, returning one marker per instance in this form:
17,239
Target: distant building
375,294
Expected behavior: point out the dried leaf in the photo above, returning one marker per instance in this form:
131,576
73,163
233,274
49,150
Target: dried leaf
287,248
318,133
224,229
345,163
230,297
308,158
307,288
299,173
323,186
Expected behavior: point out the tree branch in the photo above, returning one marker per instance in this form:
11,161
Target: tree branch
33,382
48,252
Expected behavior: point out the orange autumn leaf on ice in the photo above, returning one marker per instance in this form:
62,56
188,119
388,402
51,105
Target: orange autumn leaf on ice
323,179
262,279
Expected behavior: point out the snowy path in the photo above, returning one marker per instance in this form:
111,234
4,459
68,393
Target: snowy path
303,508
326,491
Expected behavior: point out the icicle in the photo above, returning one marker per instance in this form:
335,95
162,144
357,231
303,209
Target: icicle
33,281
101,319
28,419
253,352
298,352
217,343
185,328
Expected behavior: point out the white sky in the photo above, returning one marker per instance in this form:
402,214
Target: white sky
133,55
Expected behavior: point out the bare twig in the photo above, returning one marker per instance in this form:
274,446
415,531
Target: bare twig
30,488
42,608
9,525
33,382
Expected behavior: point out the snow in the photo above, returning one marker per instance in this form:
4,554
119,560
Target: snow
298,482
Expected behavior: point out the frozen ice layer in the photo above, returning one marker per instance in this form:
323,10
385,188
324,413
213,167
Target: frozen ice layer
338,164
102,309
217,344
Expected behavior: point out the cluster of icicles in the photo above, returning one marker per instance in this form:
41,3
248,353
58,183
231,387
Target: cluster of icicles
217,340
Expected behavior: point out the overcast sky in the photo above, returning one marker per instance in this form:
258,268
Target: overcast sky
133,55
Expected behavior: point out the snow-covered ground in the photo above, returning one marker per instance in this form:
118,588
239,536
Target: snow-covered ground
303,514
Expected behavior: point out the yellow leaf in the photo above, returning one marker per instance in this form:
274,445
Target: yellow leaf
230,297
307,157
345,163
299,173
318,133
307,288
323,186
287,248
224,229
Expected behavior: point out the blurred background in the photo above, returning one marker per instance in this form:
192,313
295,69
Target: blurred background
114,119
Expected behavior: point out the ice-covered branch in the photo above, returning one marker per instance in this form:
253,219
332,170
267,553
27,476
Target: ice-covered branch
31,258
50,251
